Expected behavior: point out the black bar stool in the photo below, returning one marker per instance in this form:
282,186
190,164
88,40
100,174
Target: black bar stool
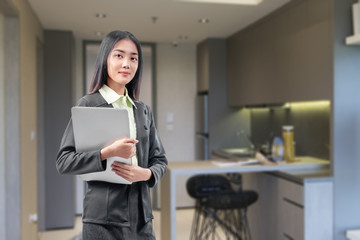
218,206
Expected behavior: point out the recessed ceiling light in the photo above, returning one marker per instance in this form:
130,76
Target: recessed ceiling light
99,34
245,2
183,37
154,19
204,20
100,15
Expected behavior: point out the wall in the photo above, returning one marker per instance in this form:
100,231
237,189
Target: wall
176,95
30,31
311,121
2,129
176,92
345,123
11,101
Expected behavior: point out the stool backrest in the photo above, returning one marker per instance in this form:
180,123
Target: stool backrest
202,186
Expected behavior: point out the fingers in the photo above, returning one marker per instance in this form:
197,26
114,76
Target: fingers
123,170
132,173
130,140
119,166
125,147
128,154
131,150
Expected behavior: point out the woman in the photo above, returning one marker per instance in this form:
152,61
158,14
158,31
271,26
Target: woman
118,211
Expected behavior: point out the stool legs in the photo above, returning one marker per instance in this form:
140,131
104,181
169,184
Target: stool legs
232,222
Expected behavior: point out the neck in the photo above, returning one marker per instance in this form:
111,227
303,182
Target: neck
118,88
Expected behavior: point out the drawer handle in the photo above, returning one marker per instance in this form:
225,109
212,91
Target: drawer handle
292,202
287,236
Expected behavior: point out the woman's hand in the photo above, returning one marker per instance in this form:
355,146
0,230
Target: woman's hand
123,147
132,173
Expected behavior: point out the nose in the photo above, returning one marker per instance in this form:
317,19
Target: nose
126,63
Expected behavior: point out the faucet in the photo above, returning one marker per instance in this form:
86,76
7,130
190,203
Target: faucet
251,144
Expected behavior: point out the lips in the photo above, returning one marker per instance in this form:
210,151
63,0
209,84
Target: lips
124,73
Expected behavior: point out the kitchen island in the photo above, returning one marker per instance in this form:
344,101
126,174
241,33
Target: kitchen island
296,204
168,183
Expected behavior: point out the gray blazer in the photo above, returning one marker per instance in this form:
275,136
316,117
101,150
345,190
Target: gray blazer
106,203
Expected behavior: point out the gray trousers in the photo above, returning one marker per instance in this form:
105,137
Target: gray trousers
110,232
138,229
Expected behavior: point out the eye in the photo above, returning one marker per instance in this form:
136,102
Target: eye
134,59
118,56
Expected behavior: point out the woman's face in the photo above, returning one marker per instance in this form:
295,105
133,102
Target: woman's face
122,64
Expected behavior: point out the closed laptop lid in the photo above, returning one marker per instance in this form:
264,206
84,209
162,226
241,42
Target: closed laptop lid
96,127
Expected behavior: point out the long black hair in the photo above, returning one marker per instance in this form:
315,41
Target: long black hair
101,75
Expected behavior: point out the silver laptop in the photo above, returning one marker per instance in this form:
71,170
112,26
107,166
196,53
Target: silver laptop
96,127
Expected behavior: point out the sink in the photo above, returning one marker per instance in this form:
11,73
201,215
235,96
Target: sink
237,150
234,152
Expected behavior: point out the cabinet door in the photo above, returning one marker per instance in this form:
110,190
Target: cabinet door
303,63
290,210
251,66
285,57
278,213
263,214
202,53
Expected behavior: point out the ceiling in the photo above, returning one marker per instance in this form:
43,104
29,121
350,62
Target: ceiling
150,20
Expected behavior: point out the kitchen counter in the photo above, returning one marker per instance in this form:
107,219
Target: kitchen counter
168,183
305,175
353,234
301,200
211,166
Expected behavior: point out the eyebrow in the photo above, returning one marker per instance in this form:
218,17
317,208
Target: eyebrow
119,50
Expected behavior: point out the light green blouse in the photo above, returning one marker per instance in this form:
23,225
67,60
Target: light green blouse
121,102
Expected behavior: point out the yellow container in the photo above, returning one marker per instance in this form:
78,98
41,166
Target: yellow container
288,136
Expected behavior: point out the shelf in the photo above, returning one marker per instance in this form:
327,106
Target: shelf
353,40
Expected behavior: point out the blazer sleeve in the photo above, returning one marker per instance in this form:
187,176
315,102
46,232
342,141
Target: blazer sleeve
157,158
69,161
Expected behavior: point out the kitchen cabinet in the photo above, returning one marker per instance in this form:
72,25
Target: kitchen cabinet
290,207
202,60
266,187
286,56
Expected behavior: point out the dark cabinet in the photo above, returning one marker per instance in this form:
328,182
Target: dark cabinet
56,199
286,56
202,60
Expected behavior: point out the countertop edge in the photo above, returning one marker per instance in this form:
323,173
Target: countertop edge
317,175
288,171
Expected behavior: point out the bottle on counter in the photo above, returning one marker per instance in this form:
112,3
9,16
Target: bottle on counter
288,136
277,152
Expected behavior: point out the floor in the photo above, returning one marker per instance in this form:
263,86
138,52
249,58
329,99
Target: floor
183,221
